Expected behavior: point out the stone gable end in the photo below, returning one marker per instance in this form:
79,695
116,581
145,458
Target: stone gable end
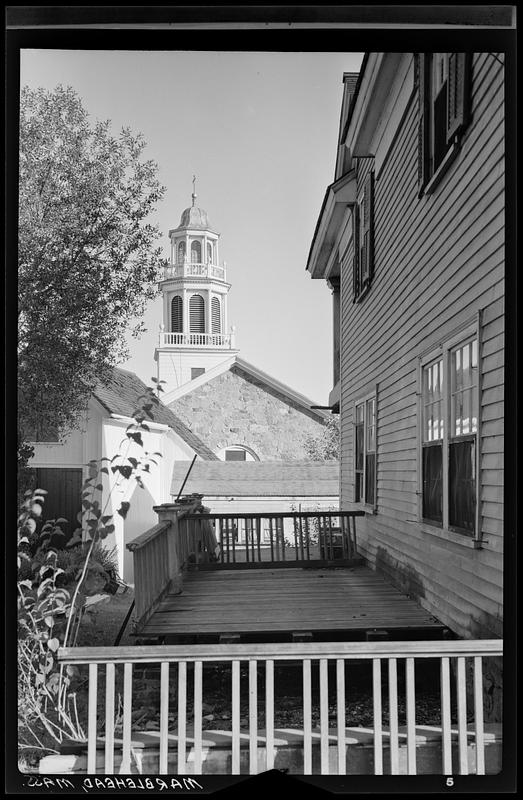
236,409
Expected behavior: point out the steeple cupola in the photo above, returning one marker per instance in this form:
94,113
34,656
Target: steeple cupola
194,334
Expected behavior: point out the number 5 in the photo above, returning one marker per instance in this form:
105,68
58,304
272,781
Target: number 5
450,781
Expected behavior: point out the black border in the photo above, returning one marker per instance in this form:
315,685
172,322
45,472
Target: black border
320,38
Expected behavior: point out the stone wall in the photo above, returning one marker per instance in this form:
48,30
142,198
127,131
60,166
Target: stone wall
236,409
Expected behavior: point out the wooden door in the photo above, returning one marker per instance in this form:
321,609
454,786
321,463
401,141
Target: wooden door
64,495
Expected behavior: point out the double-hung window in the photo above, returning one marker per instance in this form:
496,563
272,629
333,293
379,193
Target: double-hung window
363,239
443,84
365,451
450,401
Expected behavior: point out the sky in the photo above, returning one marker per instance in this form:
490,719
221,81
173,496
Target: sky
259,130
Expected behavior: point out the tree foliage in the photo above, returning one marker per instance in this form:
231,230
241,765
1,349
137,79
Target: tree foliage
87,258
326,445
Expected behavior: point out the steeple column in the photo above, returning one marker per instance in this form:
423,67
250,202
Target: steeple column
208,312
185,311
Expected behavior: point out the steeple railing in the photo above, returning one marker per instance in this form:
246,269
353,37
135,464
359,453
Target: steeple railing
191,339
192,269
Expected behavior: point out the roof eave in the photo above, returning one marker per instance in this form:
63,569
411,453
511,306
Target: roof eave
339,196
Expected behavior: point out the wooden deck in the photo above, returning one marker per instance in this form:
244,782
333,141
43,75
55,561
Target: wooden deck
268,604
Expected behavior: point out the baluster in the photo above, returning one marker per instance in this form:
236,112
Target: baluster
393,716
376,704
331,545
307,717
282,526
164,716
182,712
235,714
411,718
321,547
245,522
340,708
127,717
307,538
91,718
445,716
344,543
109,719
478,715
324,716
198,673
295,529
300,529
270,536
354,542
233,539
269,713
253,717
220,534
227,536
462,716
258,537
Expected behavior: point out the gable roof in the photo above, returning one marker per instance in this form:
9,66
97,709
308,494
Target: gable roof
121,395
235,363
259,478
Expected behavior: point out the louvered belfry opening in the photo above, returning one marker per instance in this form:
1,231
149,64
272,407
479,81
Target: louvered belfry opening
197,314
216,315
177,314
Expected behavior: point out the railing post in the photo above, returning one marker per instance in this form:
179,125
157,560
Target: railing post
169,512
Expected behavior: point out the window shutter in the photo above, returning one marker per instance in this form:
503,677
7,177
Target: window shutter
367,246
197,314
216,316
356,245
176,314
457,93
422,70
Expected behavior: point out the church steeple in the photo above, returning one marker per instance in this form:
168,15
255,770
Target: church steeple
194,335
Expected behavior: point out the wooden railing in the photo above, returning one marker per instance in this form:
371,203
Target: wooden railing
153,568
323,671
283,537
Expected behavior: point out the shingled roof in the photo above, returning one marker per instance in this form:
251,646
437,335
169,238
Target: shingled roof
259,478
121,396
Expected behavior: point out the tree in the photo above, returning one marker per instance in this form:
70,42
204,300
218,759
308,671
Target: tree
325,446
87,261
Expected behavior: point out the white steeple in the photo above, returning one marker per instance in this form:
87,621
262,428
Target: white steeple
194,336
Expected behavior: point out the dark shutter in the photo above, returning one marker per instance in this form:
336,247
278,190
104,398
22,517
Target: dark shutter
422,71
197,314
177,314
367,246
216,316
356,245
457,93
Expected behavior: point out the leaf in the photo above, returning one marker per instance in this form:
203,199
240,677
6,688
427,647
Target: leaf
26,583
136,437
53,644
49,621
110,528
36,509
104,469
99,487
124,508
60,520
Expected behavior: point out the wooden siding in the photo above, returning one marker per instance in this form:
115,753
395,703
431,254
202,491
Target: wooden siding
439,262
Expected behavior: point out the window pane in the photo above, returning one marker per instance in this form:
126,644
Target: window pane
359,446
462,485
371,425
235,455
370,478
464,378
359,413
432,483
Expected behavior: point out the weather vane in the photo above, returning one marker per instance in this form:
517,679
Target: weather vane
193,188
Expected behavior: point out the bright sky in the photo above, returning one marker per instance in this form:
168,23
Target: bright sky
260,132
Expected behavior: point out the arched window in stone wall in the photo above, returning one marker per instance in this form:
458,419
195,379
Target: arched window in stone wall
197,314
210,259
177,314
216,313
181,252
196,252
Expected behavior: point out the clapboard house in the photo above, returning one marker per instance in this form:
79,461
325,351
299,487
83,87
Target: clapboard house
410,239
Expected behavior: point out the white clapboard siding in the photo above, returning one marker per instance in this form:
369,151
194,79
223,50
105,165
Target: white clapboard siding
439,262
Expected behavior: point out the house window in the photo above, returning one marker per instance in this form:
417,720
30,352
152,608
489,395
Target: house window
181,252
42,432
196,252
210,259
449,437
365,452
443,81
196,372
176,314
363,238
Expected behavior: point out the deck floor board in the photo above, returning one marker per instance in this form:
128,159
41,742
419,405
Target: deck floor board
280,600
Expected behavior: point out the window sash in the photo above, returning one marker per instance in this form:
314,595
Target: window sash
365,452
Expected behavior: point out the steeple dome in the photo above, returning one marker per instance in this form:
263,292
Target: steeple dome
194,217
